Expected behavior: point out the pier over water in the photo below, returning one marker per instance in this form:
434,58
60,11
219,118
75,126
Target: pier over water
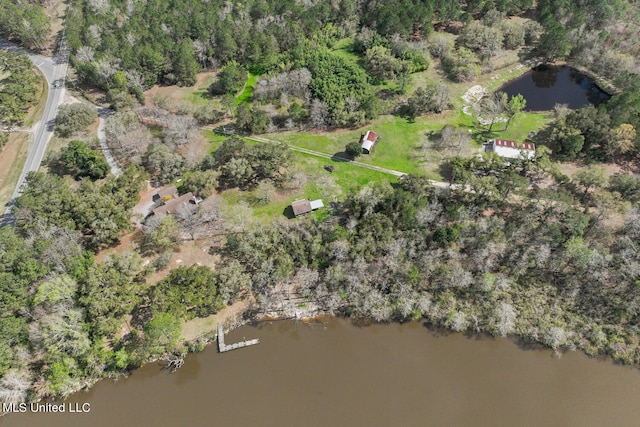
222,347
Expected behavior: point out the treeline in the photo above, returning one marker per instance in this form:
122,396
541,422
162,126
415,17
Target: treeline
99,210
160,42
19,87
607,133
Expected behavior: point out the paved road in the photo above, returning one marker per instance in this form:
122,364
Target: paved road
102,137
54,70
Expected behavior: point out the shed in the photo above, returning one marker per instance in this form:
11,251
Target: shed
368,141
301,207
512,149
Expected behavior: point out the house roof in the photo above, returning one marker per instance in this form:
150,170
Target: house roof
301,207
512,144
170,207
316,204
171,190
512,149
371,136
369,139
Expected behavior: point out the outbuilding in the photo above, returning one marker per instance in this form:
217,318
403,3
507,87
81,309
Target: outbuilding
301,207
511,149
368,141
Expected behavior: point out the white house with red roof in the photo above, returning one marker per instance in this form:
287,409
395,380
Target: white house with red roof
511,149
368,141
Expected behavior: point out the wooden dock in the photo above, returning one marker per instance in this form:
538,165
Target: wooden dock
222,347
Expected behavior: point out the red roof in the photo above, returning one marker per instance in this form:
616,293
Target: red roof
512,144
371,136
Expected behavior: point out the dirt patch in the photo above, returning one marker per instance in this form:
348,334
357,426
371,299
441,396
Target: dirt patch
196,328
178,93
570,168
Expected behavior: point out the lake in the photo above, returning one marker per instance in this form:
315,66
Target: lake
339,374
548,85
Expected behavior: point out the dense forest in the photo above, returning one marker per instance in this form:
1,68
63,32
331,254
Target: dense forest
19,84
25,22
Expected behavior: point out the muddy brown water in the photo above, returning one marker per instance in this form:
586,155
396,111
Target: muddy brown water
338,374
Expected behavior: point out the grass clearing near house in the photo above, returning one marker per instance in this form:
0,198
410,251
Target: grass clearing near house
344,47
519,128
196,94
399,145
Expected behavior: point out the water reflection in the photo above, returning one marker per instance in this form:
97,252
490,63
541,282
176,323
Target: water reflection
545,76
548,85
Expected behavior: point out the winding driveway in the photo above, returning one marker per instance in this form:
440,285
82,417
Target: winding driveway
54,70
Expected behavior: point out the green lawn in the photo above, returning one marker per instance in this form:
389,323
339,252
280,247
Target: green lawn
320,184
400,140
247,93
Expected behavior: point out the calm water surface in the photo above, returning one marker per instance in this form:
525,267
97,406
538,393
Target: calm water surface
548,85
382,375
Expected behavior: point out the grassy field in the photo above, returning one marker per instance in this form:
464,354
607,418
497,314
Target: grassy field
401,140
318,183
35,112
12,160
247,93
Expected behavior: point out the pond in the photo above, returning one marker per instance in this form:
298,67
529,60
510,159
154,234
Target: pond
335,373
548,85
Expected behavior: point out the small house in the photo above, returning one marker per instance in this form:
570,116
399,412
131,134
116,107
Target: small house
301,207
170,207
511,149
368,141
166,193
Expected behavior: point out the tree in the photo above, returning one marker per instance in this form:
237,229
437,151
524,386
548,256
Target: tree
566,140
554,43
264,192
231,80
461,65
187,292
82,161
185,65
200,183
485,40
251,120
628,186
434,97
622,141
454,138
353,149
160,234
491,107
381,64
516,104
591,177
109,292
74,117
162,333
514,34
163,164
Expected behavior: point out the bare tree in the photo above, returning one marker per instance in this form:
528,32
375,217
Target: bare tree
14,386
319,114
